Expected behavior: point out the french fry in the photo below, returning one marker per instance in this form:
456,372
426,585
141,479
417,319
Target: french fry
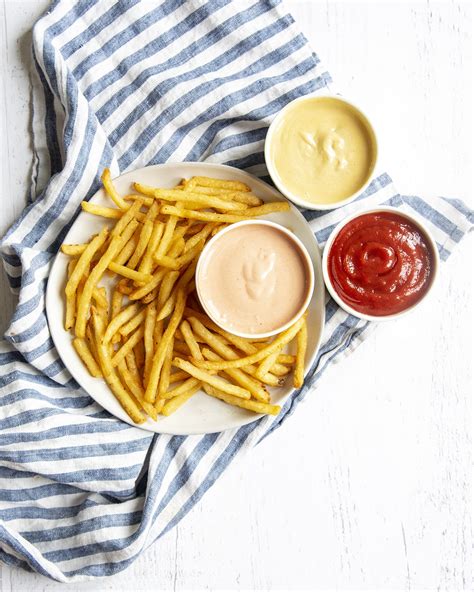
188,384
178,376
301,345
131,213
73,250
266,364
180,262
78,272
133,323
147,261
131,342
103,211
268,208
220,183
196,199
149,286
142,244
165,371
127,251
255,406
81,347
148,340
135,389
111,191
256,389
136,276
282,339
191,341
174,404
240,196
160,353
207,378
167,236
123,317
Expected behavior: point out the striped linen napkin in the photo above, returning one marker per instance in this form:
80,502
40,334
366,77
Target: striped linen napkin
127,84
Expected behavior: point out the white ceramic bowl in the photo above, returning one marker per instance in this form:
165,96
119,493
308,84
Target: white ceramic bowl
273,171
301,248
327,280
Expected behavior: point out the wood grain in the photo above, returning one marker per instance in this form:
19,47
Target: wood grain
368,485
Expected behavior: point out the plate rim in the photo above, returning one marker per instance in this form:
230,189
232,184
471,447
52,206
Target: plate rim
51,298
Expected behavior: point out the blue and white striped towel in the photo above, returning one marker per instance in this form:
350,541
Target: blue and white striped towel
127,84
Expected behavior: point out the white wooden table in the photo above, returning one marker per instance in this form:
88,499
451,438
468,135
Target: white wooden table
368,485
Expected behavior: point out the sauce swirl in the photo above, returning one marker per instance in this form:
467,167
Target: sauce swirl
380,263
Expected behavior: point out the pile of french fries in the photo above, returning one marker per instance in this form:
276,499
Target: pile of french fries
146,335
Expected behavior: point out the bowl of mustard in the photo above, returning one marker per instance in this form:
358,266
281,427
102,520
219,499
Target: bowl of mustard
321,151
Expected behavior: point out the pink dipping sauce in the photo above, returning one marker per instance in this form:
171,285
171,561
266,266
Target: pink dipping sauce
254,279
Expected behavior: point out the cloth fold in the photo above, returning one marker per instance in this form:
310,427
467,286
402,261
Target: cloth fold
128,84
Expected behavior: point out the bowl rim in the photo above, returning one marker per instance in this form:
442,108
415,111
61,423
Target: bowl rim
272,170
302,250
371,210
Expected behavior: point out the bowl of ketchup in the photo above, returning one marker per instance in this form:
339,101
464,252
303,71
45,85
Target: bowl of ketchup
380,263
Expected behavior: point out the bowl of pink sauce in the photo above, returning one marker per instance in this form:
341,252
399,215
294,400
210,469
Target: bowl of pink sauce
254,279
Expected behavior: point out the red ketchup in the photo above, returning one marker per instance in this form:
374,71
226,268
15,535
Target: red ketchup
380,263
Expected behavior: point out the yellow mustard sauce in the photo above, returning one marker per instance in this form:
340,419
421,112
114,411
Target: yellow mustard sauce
323,150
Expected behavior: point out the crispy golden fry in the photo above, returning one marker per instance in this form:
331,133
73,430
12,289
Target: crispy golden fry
174,404
99,295
268,208
158,332
147,261
139,350
255,406
191,341
166,287
103,211
130,214
301,345
81,347
217,343
131,274
148,341
220,183
78,272
202,235
167,236
73,250
147,201
111,191
187,198
188,384
123,317
180,262
282,339
245,345
208,378
266,364
178,376
131,342
240,196
127,251
70,302
114,247
256,389
135,389
160,353
133,367
133,323
165,371
149,297
148,287
143,241
117,299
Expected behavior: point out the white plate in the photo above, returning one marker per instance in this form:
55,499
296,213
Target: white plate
201,414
